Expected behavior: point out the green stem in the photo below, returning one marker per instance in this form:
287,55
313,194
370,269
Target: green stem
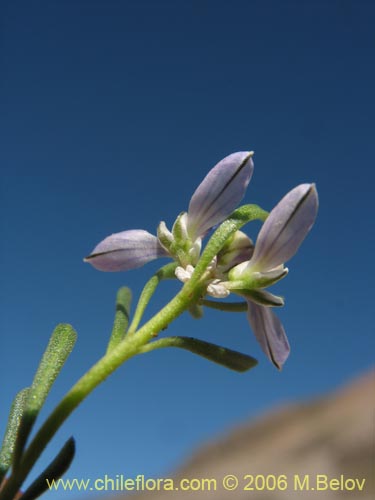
129,347
165,272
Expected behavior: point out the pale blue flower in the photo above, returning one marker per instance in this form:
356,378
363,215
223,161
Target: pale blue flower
279,239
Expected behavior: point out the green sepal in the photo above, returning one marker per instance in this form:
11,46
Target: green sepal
53,472
263,297
58,349
165,236
179,230
10,436
121,321
233,360
254,280
236,220
181,241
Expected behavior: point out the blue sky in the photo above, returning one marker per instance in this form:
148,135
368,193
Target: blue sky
112,113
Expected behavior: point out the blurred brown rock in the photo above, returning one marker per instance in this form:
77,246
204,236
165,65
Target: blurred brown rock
329,439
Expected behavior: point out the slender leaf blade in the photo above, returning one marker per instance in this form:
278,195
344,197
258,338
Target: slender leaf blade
10,436
58,349
233,360
53,472
121,321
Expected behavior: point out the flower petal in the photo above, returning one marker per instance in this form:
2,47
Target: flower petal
269,332
126,250
219,193
285,228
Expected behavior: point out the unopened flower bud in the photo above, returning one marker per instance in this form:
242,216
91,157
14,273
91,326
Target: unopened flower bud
179,230
165,236
237,249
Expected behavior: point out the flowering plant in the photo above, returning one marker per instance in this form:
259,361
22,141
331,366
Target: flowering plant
229,263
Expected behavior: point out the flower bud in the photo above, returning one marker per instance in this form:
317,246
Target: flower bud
179,230
237,249
165,236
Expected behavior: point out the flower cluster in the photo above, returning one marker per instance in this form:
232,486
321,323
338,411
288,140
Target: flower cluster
239,267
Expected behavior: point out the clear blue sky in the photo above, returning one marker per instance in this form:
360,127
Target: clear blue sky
112,112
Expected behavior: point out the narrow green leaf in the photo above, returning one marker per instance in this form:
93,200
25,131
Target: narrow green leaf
58,349
226,357
225,306
53,472
15,415
120,324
